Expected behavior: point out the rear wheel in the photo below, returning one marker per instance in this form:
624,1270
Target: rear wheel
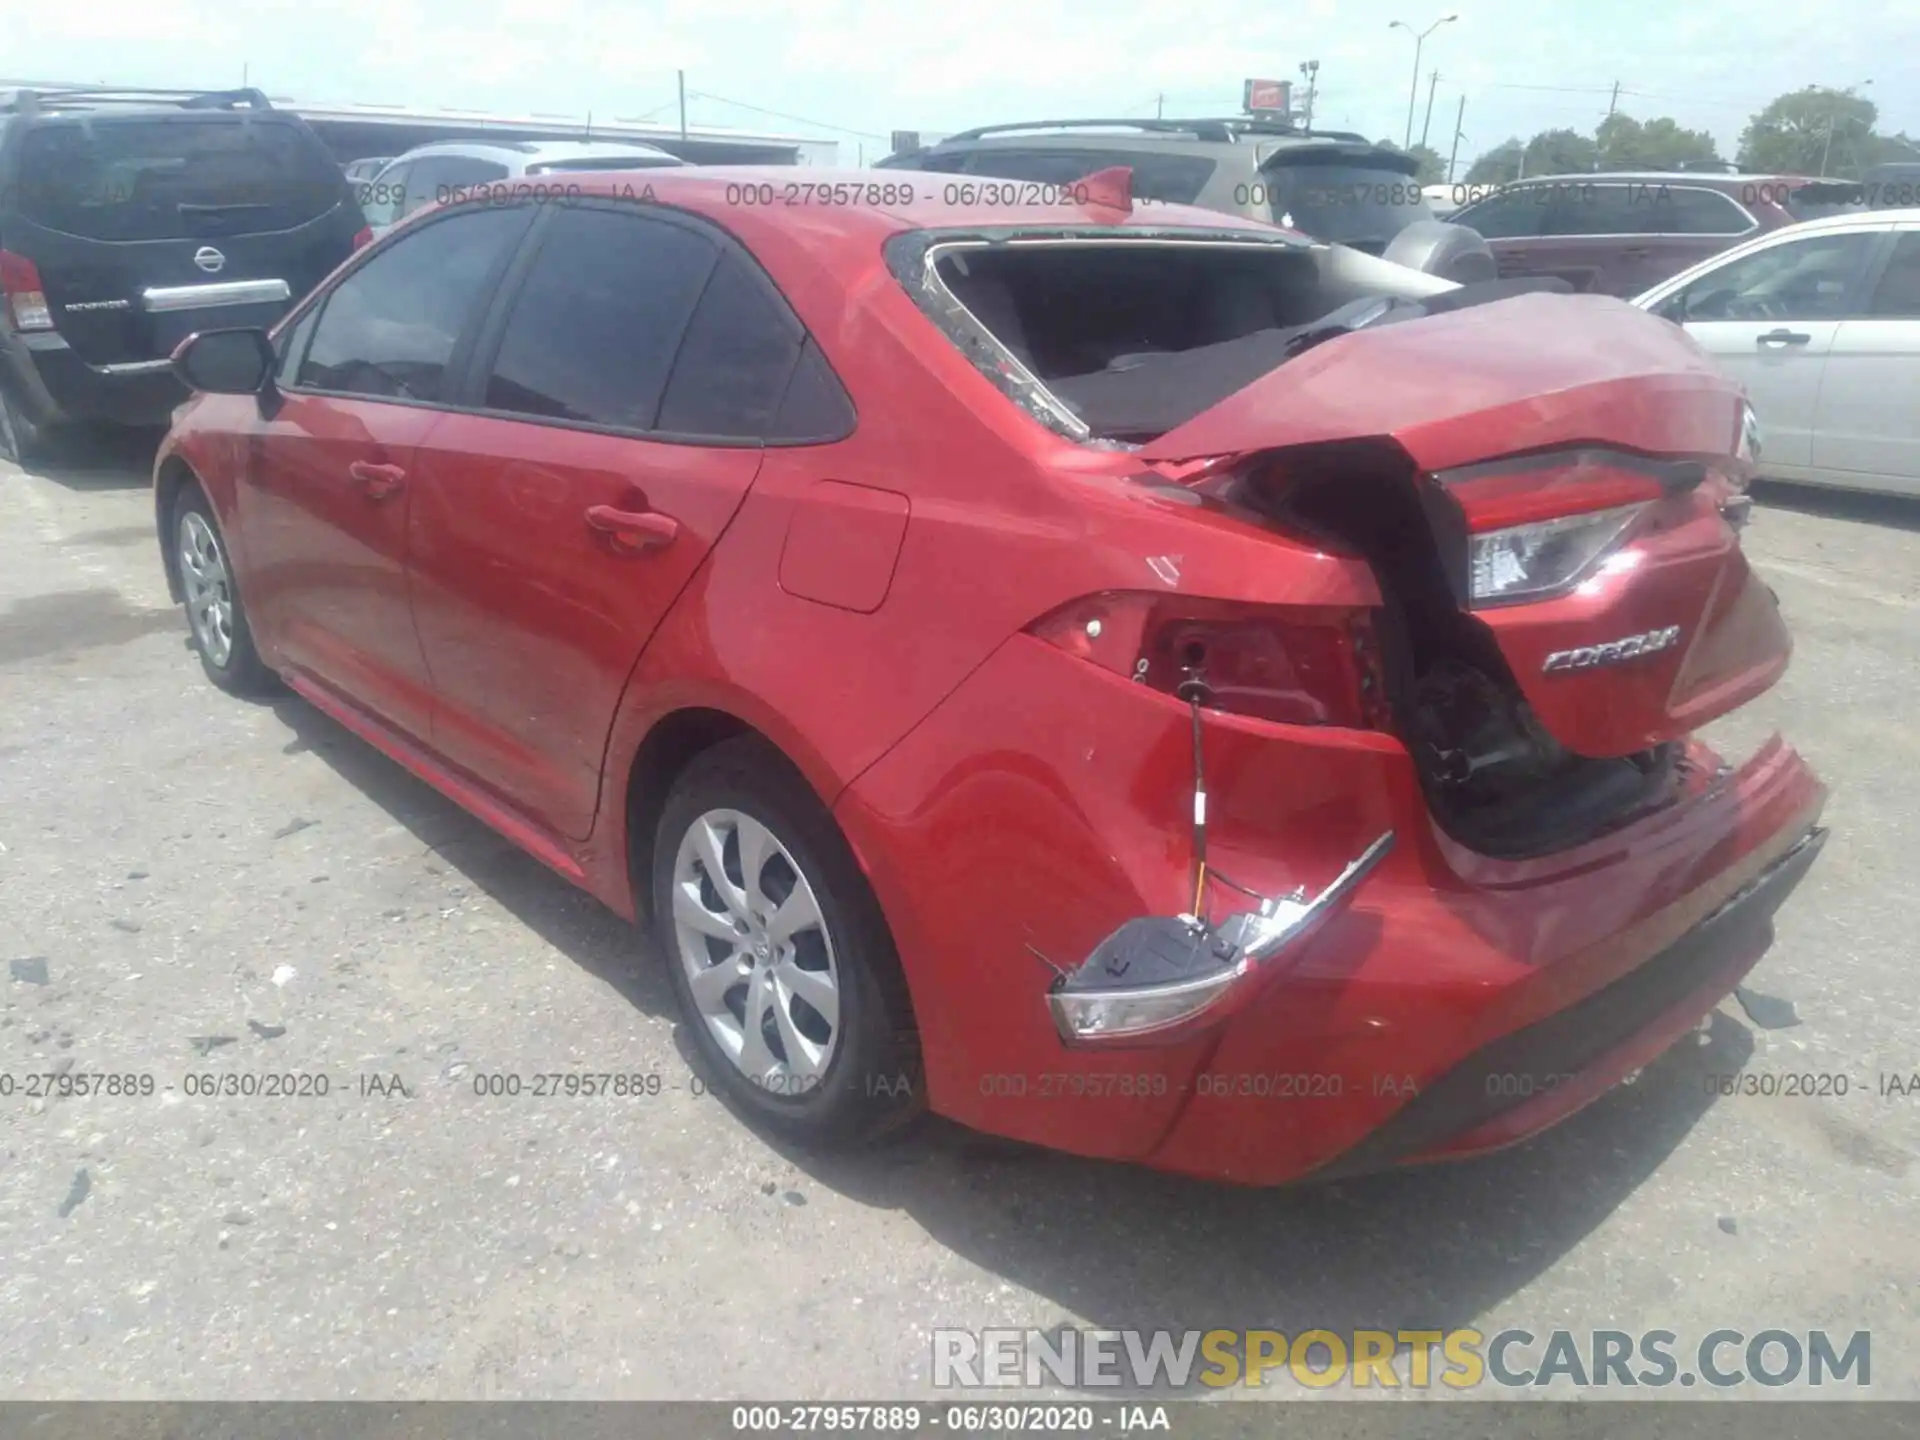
781,959
218,621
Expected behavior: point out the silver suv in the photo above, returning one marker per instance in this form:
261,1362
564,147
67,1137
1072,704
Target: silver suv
1329,184
429,174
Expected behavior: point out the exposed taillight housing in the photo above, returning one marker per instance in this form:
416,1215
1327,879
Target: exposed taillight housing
27,307
1298,665
364,237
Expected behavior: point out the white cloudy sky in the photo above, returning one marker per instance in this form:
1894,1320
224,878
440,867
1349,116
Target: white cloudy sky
1522,65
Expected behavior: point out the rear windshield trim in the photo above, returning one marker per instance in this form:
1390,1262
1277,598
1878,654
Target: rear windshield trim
914,257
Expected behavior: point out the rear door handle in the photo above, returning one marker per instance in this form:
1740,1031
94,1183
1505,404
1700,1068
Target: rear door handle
633,530
1635,254
1782,337
379,481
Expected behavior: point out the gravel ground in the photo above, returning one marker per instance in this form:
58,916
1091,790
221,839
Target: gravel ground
192,885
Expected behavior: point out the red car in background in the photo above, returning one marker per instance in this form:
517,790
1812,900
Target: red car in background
1091,671
1622,233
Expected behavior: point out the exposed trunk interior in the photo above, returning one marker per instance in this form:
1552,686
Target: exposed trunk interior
1494,777
1137,336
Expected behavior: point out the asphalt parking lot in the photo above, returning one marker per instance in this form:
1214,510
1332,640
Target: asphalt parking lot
191,885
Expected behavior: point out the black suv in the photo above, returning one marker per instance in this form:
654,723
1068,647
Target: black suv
1330,184
131,219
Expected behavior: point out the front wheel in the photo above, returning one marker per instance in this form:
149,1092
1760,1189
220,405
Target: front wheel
783,964
218,621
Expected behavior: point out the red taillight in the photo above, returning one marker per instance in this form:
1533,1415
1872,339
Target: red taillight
27,307
1299,665
365,237
1504,497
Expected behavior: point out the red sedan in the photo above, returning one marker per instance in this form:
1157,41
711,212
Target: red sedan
1124,678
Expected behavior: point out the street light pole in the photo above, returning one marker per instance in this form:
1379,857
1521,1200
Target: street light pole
1419,40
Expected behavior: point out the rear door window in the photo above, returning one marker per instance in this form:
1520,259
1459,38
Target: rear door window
1515,214
172,178
440,179
1897,295
1583,209
1705,212
390,327
597,325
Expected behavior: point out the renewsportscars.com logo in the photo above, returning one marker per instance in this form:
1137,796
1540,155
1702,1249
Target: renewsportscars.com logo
1388,1359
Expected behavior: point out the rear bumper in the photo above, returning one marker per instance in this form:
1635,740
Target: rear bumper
1527,1081
1047,802
59,388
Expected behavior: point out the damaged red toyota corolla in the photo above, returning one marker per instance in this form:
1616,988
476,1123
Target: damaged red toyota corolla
1088,670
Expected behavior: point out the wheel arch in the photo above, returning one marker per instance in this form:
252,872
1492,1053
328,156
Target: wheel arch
170,478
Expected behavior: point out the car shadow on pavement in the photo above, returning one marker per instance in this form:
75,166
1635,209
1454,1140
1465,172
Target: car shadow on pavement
1122,1247
101,460
1427,1248
571,921
1896,512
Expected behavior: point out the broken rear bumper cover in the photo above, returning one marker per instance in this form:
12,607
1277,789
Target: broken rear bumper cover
1590,1046
1575,1052
1159,980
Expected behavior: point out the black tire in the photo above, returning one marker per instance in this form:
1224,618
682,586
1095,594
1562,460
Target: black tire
242,672
872,1083
23,440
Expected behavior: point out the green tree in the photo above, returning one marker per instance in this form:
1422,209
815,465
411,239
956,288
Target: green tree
1815,131
1433,166
1561,152
1499,166
1624,143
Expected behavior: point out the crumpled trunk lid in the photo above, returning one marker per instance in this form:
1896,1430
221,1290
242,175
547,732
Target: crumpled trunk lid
1667,631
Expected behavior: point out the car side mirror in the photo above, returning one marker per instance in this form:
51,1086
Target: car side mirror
225,362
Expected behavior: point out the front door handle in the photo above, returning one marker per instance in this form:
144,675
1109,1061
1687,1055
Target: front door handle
379,481
1782,337
633,530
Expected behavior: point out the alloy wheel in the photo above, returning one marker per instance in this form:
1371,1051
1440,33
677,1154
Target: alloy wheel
208,587
758,958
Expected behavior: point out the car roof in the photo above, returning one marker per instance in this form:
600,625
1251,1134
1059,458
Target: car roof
853,204
1710,179
534,152
1213,137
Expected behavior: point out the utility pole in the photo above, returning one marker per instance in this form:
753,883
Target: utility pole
1615,100
1160,107
683,102
1432,81
1310,69
1458,134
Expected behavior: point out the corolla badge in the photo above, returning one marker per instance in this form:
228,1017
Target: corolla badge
209,259
1614,652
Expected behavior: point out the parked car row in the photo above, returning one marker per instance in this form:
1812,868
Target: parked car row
131,219
449,169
